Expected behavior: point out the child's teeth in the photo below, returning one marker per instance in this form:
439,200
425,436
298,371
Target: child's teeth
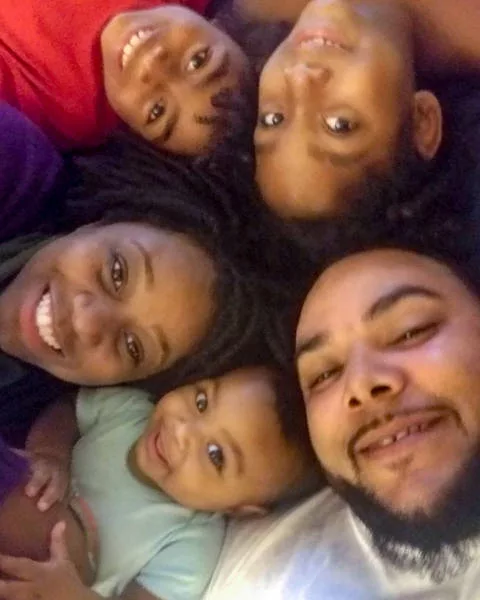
136,39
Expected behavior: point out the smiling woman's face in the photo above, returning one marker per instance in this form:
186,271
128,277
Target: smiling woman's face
162,67
388,345
109,304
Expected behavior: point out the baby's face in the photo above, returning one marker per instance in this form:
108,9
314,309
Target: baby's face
162,69
217,445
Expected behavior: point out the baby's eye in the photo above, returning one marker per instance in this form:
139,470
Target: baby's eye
134,348
198,60
118,272
201,401
340,125
215,454
156,112
271,119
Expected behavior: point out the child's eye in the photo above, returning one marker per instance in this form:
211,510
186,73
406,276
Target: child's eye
340,125
134,348
271,119
215,455
156,112
198,60
201,401
118,272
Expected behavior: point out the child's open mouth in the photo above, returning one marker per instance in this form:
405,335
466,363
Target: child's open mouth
133,44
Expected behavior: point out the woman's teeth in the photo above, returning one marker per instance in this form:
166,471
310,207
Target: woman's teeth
135,41
43,320
320,42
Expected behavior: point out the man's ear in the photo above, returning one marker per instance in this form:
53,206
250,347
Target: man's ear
247,510
427,124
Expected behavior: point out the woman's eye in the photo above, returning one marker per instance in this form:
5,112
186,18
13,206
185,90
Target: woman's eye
118,272
340,125
415,334
201,401
198,60
156,112
215,455
271,119
134,348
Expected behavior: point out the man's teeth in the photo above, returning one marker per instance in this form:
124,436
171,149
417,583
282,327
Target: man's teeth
319,42
43,319
391,439
129,48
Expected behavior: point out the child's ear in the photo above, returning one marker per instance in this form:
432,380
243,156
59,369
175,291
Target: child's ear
247,510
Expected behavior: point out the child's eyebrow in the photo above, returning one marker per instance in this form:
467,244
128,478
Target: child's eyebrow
205,119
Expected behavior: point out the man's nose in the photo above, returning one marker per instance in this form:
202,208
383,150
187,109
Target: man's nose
371,379
302,79
92,318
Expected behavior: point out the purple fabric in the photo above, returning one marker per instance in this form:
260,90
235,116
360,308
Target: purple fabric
29,168
13,469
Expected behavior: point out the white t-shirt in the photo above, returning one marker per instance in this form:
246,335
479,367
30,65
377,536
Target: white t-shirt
319,551
144,536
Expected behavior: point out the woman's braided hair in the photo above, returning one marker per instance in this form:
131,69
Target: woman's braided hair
127,180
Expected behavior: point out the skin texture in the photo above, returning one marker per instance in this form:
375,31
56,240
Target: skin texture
184,57
328,114
214,445
386,340
120,310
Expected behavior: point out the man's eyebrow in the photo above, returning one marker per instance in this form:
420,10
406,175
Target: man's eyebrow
337,159
386,302
314,342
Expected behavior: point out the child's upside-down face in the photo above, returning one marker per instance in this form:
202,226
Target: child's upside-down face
162,68
217,445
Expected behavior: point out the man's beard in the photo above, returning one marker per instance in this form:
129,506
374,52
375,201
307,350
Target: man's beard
439,545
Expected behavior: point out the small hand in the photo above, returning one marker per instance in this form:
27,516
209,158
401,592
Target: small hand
49,478
54,579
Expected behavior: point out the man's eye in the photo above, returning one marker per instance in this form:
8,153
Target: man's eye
198,60
340,125
215,455
134,348
271,119
415,334
201,401
156,112
323,378
118,272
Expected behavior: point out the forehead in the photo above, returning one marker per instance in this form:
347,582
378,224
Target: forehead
348,288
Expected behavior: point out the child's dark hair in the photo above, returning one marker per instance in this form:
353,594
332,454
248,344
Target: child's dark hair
127,180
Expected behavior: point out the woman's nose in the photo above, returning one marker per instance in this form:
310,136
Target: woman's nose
92,318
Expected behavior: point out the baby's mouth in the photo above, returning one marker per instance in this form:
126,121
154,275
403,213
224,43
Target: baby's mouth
135,41
44,322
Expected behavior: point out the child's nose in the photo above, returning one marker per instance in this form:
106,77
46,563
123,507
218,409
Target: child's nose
152,63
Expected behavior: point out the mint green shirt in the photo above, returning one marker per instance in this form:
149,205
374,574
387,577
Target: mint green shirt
144,536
